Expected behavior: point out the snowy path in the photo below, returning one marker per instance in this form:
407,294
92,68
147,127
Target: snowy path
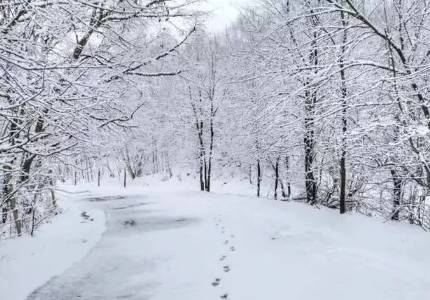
194,246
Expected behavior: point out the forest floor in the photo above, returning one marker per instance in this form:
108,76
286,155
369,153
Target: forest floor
167,242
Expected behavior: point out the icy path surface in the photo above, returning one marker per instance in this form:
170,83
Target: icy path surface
28,262
163,245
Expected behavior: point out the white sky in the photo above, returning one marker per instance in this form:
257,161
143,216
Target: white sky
224,12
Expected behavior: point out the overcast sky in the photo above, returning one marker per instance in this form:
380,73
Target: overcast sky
225,12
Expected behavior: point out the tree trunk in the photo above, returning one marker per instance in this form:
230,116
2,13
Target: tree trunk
125,178
287,167
128,165
310,182
258,177
309,138
205,167
4,212
397,194
52,184
342,204
169,169
202,181
14,209
211,146
202,153
276,178
208,178
8,194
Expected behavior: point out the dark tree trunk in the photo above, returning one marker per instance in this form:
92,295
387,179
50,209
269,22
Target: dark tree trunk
128,165
211,146
284,195
4,211
11,200
258,177
205,167
276,178
311,187
287,167
309,139
98,17
202,181
202,154
397,194
130,170
26,167
342,204
125,178
208,179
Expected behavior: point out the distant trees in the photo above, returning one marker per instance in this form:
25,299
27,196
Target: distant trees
205,89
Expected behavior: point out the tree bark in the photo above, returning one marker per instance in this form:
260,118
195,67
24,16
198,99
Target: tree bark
11,200
309,138
211,146
258,177
287,167
310,182
342,204
125,178
276,178
397,194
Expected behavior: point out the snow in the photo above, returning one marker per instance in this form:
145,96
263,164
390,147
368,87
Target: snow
28,262
166,241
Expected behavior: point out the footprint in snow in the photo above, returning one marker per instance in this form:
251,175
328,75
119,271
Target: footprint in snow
225,296
216,282
226,242
232,249
226,269
222,258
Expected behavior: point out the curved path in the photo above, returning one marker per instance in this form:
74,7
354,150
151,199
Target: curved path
145,251
170,245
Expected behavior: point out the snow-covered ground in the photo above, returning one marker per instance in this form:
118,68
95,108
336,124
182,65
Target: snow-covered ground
164,241
28,262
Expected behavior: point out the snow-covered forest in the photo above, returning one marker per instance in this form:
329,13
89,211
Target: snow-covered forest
325,103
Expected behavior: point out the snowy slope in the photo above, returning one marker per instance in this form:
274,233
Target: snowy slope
28,262
166,242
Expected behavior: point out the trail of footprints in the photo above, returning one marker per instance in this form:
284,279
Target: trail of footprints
228,243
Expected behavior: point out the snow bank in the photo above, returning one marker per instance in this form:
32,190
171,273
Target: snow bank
28,262
294,251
